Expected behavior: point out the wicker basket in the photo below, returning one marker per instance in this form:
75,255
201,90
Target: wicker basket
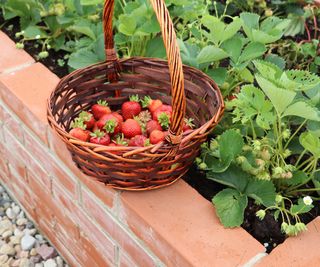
190,92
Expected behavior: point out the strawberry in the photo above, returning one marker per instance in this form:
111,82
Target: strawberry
79,130
88,119
164,120
110,123
131,128
153,125
188,124
118,116
156,137
100,109
138,140
95,127
99,137
131,108
151,104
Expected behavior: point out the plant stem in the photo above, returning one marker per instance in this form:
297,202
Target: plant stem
294,134
300,157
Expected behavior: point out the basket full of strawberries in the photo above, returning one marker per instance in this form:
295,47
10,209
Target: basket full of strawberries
135,123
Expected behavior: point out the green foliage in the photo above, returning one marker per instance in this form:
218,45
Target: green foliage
251,158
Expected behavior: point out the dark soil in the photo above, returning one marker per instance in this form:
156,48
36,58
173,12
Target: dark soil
12,26
267,231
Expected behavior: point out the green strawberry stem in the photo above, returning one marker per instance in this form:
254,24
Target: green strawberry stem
110,126
85,116
164,120
102,103
134,98
146,101
97,134
78,123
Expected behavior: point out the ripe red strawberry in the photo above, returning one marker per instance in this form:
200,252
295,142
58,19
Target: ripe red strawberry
188,124
131,128
110,123
163,118
118,116
153,125
99,137
138,140
88,119
151,104
156,137
100,109
131,108
79,130
163,109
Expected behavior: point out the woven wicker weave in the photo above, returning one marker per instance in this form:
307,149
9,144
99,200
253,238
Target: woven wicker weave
191,93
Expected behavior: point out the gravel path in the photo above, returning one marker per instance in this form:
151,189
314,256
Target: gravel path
21,245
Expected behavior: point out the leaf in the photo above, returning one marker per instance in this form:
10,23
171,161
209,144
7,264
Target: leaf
280,98
231,29
249,21
298,177
189,53
82,58
310,142
217,165
216,27
276,60
233,177
219,75
300,208
33,31
303,110
246,75
230,144
233,47
83,28
251,102
210,54
230,206
300,80
252,51
268,70
262,191
155,48
127,24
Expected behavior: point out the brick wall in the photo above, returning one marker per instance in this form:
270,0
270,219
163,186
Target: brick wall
89,223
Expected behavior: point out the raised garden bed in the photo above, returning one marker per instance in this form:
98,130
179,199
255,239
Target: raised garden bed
270,238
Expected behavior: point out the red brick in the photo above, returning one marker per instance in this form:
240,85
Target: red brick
112,227
12,124
105,194
175,219
126,261
104,244
12,57
66,249
299,251
51,165
25,157
26,92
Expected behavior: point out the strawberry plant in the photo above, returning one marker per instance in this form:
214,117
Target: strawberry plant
275,126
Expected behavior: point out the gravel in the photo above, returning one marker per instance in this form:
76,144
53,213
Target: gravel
21,245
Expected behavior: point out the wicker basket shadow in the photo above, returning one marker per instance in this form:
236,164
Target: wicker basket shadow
191,93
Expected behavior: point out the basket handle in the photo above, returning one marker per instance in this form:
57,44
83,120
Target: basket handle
174,62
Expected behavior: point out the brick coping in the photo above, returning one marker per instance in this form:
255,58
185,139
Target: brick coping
172,226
